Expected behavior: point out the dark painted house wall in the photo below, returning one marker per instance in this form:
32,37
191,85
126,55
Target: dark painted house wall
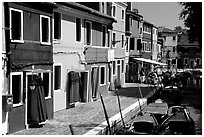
30,53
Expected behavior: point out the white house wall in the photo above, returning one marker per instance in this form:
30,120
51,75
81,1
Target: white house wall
67,52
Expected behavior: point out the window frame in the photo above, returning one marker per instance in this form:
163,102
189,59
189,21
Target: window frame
49,92
86,32
49,30
102,84
11,92
10,21
76,25
59,89
147,30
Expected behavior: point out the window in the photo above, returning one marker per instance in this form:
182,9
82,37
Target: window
174,38
88,33
17,87
139,44
147,29
174,49
146,47
118,62
114,68
78,29
174,61
102,75
123,36
57,77
45,30
102,7
114,39
123,15
113,11
57,25
127,44
16,24
47,84
197,61
192,63
138,24
122,66
131,21
109,77
132,43
109,38
104,36
185,61
164,37
140,30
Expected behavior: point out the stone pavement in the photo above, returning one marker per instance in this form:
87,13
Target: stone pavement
84,117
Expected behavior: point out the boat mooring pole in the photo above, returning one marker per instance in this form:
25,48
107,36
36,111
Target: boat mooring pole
105,112
120,108
139,99
71,129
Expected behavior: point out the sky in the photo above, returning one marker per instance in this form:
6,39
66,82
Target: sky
161,13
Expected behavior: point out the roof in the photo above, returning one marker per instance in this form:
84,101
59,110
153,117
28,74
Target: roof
148,23
166,30
87,9
134,14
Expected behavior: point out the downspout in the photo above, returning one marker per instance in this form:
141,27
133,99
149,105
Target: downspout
7,36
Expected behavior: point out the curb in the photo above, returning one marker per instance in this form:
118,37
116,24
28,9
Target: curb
115,121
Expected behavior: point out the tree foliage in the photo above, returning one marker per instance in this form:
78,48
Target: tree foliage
192,17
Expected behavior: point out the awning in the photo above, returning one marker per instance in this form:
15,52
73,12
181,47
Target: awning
150,61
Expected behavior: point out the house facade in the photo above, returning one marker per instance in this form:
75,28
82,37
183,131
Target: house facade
80,55
147,42
119,42
189,53
28,48
169,51
134,31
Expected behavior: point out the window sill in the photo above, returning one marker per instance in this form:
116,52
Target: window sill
49,97
45,43
101,85
17,41
17,105
58,90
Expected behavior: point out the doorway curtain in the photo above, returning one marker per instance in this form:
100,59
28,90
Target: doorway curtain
38,111
94,82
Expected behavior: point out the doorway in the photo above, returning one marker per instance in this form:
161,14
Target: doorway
29,78
94,82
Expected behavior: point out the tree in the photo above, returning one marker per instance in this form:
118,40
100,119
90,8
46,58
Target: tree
192,17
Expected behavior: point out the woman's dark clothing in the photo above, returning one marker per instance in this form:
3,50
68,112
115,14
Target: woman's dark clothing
38,112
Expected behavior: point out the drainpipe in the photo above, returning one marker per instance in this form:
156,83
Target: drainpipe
7,36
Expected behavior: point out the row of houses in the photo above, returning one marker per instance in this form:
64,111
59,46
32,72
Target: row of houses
79,49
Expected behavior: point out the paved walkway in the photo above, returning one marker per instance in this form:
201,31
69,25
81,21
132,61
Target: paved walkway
85,117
